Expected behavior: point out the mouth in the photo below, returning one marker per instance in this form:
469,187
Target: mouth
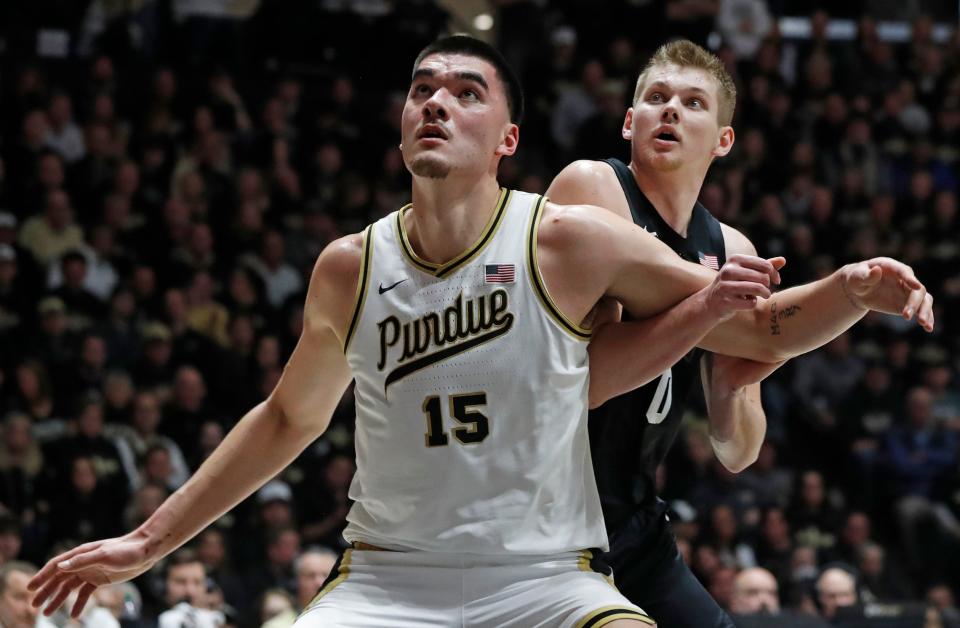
432,132
666,134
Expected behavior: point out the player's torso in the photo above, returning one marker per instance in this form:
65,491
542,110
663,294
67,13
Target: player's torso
631,434
471,399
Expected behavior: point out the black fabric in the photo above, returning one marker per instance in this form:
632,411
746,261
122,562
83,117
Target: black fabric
628,438
650,572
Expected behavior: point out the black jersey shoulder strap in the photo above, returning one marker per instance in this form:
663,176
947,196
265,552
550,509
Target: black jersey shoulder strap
715,232
630,188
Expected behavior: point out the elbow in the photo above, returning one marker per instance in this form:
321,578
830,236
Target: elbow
736,466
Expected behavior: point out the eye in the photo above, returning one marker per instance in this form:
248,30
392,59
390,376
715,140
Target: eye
469,94
421,89
655,97
695,103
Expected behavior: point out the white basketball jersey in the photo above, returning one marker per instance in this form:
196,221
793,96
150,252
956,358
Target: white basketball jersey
471,398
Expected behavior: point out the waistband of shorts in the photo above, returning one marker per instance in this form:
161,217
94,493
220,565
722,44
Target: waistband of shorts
367,547
366,553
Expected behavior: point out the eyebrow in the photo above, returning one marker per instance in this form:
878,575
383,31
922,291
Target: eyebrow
474,77
694,89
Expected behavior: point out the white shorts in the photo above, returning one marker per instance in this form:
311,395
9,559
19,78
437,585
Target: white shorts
380,589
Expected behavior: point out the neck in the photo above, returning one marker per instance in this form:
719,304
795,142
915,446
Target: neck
448,215
673,194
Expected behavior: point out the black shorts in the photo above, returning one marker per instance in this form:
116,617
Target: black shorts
649,571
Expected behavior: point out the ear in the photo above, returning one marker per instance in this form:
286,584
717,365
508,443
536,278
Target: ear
627,131
724,141
511,138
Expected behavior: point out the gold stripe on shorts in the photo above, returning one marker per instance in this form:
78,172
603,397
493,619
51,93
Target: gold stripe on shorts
607,614
344,571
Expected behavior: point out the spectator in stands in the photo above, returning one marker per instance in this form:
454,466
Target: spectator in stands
836,587
920,453
15,608
53,233
755,591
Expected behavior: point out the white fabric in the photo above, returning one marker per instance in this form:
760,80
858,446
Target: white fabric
527,488
185,616
419,590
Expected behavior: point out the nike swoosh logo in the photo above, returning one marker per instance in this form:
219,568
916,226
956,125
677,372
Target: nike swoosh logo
391,286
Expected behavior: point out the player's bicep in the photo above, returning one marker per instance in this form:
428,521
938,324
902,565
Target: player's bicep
651,277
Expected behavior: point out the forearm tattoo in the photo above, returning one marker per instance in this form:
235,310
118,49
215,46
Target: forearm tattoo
777,316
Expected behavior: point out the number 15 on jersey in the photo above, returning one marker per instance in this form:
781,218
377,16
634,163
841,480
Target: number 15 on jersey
473,425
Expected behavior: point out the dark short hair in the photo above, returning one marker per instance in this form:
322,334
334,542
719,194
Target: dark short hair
473,47
183,556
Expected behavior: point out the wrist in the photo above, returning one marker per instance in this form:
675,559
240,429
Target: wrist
844,278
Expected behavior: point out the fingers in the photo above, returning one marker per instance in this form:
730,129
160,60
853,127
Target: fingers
82,598
737,273
737,291
48,589
925,314
861,277
51,568
902,271
71,583
82,561
767,267
914,301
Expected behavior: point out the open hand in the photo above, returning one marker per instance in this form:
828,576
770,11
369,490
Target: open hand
87,567
885,285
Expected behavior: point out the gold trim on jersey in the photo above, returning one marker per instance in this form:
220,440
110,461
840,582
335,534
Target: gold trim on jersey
362,281
442,270
536,279
343,571
607,614
584,563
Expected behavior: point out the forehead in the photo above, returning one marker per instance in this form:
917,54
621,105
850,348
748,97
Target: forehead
187,570
450,65
681,78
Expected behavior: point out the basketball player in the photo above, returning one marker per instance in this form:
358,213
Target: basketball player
679,123
461,320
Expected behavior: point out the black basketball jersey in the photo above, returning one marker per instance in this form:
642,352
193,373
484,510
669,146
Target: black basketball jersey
631,434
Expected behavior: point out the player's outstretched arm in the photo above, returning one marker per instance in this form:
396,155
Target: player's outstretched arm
265,440
648,280
626,355
800,319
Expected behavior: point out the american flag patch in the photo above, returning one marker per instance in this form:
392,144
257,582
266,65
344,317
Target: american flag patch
499,273
710,261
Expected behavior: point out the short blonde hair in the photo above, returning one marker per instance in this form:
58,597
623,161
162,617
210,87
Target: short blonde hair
686,54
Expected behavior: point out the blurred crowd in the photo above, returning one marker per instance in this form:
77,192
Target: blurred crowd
170,170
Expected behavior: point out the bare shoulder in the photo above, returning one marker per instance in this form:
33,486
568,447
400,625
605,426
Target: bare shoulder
585,171
333,284
589,182
736,242
572,224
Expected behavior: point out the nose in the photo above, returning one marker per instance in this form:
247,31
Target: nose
671,111
434,107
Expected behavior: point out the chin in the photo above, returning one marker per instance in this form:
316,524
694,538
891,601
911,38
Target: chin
429,166
664,162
